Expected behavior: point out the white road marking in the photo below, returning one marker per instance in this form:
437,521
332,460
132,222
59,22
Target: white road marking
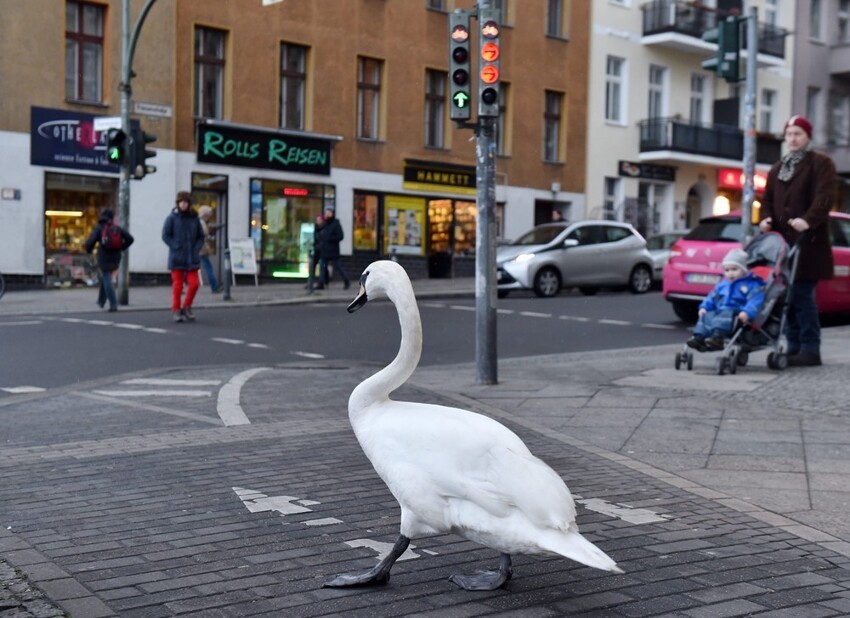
99,322
661,326
171,382
257,502
505,311
621,511
163,393
261,346
72,320
155,330
200,418
382,548
308,354
462,307
534,314
615,322
229,409
17,390
22,323
574,318
327,521
128,326
230,341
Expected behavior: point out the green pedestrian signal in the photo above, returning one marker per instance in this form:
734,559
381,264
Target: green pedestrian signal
116,146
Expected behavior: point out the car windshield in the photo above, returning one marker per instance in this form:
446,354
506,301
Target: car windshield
540,235
716,230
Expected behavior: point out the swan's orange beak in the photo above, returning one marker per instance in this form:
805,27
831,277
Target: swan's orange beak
359,301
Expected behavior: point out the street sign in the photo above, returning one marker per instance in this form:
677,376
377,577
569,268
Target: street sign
104,123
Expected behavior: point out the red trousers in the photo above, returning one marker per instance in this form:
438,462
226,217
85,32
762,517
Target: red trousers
192,283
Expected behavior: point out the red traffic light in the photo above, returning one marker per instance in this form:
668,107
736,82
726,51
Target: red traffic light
490,51
489,74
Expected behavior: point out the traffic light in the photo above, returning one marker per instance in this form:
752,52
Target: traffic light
488,63
116,146
461,99
139,154
726,63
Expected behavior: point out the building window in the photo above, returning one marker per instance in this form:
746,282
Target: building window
209,73
368,97
293,85
771,12
843,21
698,107
655,93
555,18
815,20
839,120
614,87
436,5
611,192
84,51
768,99
435,108
552,126
813,107
503,146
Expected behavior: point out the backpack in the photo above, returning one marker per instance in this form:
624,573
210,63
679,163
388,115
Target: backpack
110,237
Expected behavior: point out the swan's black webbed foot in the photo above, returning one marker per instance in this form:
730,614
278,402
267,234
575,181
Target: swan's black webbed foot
486,580
377,575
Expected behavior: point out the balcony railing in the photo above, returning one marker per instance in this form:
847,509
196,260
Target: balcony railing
704,140
692,19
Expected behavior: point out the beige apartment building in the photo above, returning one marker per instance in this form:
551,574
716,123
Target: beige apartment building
271,112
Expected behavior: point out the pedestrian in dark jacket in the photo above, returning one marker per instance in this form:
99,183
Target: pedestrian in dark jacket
183,234
800,192
330,236
108,259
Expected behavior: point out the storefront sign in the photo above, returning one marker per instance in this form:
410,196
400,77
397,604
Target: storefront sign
62,138
733,178
439,177
647,171
263,149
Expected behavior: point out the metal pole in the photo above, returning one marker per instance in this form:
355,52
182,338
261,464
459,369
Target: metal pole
485,254
750,128
124,182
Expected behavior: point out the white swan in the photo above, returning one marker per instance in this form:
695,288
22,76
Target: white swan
453,470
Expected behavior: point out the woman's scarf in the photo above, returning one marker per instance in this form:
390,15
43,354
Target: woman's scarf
790,161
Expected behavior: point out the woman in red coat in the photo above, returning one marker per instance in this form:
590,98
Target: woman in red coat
800,193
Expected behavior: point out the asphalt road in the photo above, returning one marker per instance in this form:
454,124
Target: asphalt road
62,350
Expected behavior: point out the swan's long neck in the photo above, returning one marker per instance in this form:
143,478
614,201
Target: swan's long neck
378,387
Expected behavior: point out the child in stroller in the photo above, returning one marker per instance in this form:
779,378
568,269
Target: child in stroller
739,294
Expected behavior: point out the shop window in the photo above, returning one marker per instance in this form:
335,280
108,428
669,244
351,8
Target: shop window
84,51
404,225
209,73
368,97
366,222
283,216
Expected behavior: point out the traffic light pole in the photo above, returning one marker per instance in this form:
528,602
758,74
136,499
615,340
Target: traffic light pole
128,47
486,359
750,128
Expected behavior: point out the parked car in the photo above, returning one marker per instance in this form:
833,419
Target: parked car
695,264
587,254
659,248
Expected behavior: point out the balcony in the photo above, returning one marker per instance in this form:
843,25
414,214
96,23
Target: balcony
672,140
679,25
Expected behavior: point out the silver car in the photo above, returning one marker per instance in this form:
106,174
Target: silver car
586,254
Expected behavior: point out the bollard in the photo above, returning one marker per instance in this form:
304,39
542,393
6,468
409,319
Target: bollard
227,274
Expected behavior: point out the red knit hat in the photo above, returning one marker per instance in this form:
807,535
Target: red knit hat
802,122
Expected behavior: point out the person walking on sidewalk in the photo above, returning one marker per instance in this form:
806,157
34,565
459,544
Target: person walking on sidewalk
330,236
112,240
800,192
210,229
183,234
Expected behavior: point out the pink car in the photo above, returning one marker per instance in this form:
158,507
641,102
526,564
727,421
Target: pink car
694,264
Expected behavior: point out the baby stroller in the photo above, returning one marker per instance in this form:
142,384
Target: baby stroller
768,256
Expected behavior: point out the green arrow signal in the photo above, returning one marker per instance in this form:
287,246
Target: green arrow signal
460,99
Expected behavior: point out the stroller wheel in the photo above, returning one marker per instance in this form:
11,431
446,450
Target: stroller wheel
690,361
781,361
743,358
678,361
733,364
720,365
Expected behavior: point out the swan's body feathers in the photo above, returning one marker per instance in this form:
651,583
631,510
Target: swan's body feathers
453,470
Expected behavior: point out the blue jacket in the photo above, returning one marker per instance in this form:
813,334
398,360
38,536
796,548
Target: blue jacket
744,294
183,234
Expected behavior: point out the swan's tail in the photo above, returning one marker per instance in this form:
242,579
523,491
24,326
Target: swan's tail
574,546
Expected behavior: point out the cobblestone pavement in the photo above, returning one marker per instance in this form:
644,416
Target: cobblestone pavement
121,506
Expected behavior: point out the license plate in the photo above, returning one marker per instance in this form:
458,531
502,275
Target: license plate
702,278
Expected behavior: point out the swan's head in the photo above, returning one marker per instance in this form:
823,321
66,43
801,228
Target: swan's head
380,278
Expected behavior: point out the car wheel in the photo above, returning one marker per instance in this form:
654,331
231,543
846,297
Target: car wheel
547,282
640,280
686,311
588,291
